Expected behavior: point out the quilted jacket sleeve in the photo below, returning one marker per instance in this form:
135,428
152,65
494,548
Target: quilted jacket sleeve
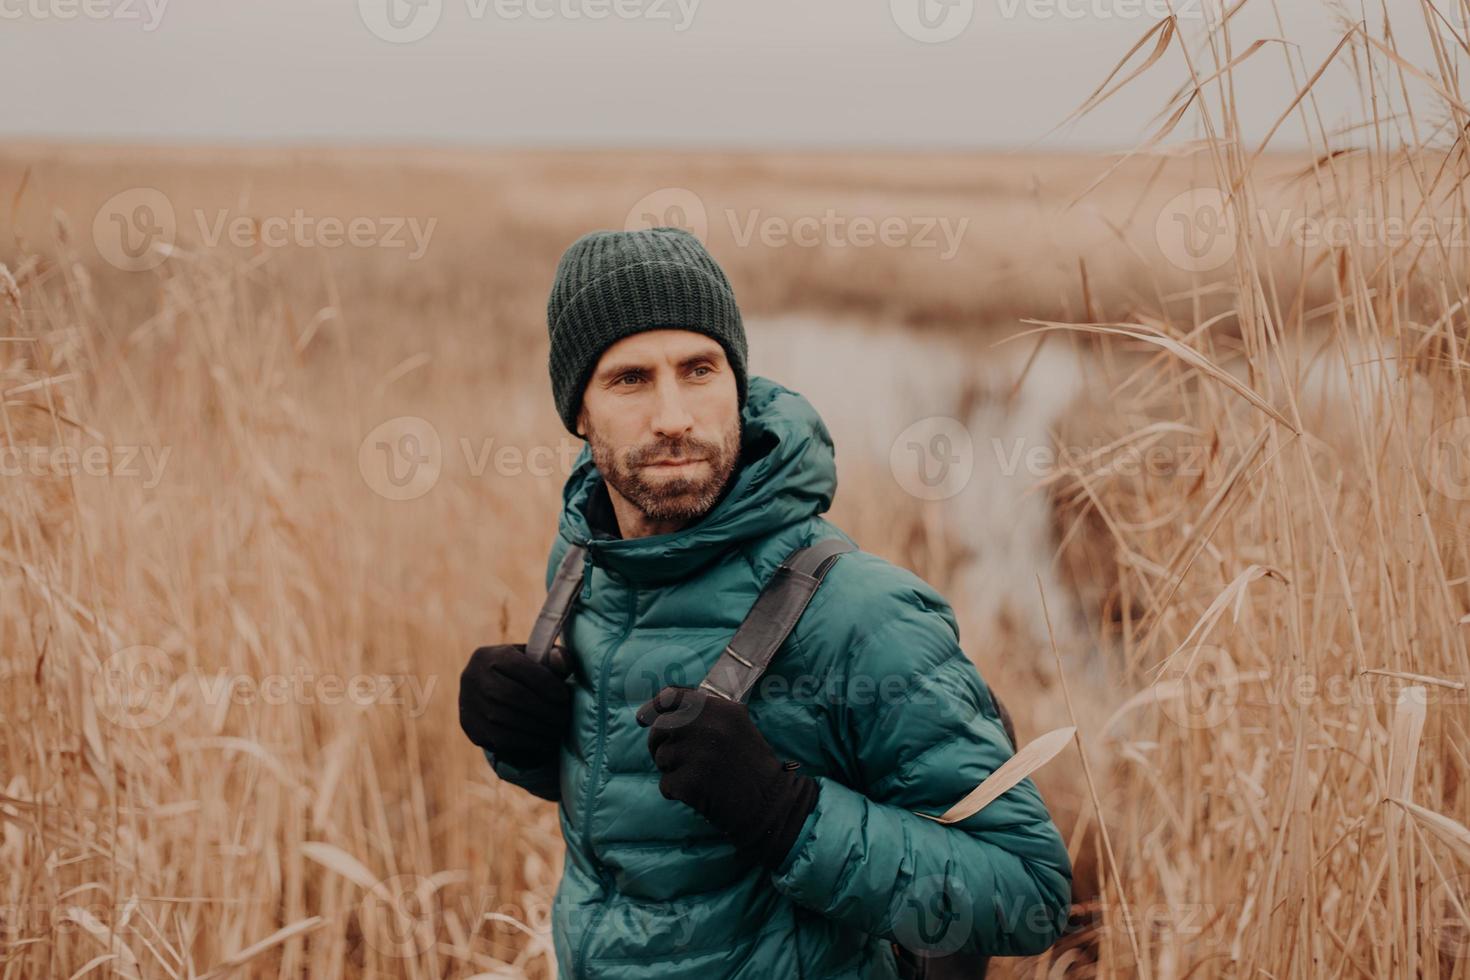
925,734
543,781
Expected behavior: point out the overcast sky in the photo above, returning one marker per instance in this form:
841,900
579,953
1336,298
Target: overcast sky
717,73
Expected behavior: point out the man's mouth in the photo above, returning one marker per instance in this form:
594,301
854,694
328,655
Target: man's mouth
673,464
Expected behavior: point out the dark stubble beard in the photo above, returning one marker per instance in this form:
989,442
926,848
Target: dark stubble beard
675,499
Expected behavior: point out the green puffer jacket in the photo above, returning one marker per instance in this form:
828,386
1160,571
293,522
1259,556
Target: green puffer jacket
871,694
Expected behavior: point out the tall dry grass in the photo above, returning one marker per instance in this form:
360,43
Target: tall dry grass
1292,611
188,779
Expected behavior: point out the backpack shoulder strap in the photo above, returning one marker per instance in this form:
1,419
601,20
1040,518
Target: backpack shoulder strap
554,611
775,614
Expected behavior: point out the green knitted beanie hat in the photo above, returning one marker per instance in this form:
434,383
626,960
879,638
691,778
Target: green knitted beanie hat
610,284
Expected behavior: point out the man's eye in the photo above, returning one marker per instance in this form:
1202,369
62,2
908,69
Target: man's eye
629,377
704,367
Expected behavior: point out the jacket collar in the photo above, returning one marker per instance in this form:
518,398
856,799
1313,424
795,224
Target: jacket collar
786,473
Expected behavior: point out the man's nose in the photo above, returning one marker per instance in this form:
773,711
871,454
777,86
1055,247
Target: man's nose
671,417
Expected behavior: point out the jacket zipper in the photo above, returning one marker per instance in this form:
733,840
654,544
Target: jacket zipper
580,959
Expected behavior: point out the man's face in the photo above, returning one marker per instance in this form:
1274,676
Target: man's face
661,413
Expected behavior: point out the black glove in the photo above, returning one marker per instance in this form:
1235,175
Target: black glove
513,706
714,759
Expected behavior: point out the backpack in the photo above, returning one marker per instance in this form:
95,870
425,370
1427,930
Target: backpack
740,666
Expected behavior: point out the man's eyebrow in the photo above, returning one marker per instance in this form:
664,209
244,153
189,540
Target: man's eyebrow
615,370
708,355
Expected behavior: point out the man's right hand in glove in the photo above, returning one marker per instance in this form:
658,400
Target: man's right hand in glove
513,706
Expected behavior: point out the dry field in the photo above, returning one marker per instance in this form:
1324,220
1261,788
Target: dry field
1236,466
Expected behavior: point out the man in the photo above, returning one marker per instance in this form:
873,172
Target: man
711,839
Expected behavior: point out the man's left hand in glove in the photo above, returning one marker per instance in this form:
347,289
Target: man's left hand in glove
714,759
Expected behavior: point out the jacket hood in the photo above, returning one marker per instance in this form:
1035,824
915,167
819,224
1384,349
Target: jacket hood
787,472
